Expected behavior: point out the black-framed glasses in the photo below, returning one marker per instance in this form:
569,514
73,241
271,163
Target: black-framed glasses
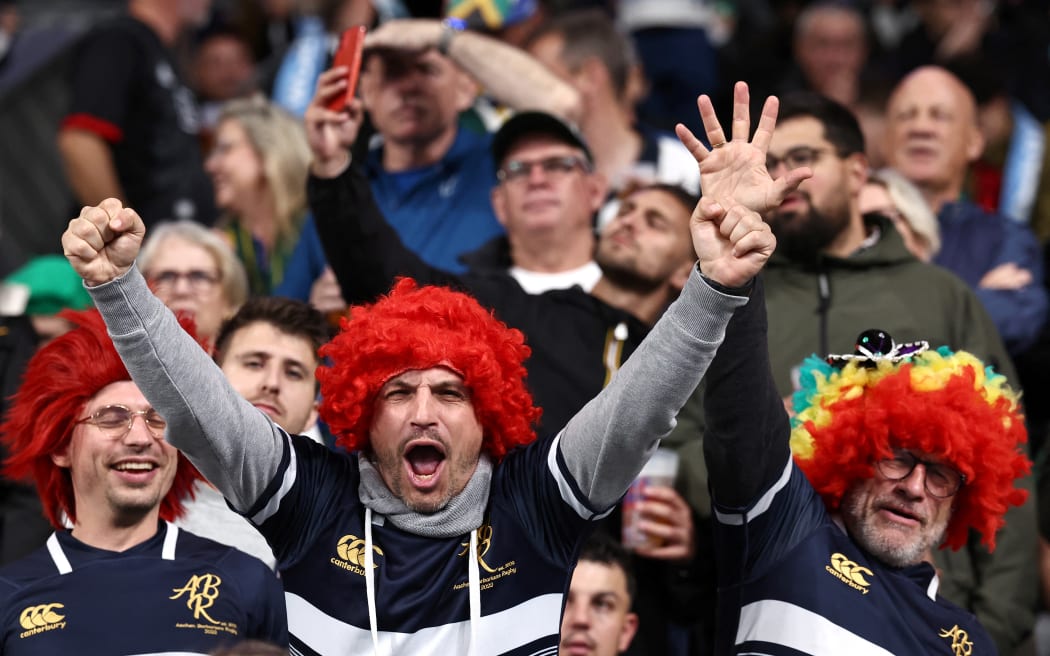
796,157
942,481
116,420
561,165
199,280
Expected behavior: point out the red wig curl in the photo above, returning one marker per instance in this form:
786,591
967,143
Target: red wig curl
418,328
942,403
59,381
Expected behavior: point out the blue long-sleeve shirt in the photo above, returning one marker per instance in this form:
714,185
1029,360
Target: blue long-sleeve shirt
974,242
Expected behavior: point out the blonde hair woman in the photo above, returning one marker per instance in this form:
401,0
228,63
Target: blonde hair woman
259,167
890,194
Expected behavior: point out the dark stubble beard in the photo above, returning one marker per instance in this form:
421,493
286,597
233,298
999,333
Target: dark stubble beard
804,236
627,278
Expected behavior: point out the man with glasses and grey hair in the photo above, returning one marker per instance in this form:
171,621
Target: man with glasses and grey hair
837,273
824,526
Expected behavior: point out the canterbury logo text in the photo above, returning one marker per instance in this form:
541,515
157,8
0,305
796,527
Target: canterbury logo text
37,619
961,645
849,572
351,551
201,592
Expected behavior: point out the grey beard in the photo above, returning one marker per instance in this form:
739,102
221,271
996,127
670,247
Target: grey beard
875,542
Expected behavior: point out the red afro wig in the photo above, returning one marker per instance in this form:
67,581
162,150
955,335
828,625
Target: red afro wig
419,328
942,403
58,382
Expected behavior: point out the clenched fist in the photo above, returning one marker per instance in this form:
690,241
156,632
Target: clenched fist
103,242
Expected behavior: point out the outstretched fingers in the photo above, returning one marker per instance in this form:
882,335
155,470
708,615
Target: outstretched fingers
741,112
691,143
715,135
789,182
766,123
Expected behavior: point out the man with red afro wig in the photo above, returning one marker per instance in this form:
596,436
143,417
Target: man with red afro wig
81,429
823,532
449,529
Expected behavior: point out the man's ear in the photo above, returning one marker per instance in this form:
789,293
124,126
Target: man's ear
61,457
974,144
499,204
314,416
856,172
680,276
627,631
597,190
466,89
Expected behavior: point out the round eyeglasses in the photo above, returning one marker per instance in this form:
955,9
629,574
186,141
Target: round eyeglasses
797,157
942,481
557,166
200,282
115,420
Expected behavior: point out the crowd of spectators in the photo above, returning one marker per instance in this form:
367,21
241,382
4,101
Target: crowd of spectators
525,153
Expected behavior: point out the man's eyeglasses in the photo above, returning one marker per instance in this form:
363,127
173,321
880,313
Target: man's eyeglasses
942,481
199,280
796,157
562,165
116,420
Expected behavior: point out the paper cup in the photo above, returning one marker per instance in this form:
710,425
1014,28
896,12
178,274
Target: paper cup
660,470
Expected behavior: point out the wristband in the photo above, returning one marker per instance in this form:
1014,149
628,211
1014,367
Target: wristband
449,28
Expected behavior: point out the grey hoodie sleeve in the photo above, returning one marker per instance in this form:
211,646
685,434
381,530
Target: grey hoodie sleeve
235,445
610,438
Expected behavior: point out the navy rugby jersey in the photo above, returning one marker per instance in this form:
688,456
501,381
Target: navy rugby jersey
793,582
526,548
175,593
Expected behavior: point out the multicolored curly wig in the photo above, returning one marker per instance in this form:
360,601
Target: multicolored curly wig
418,328
942,403
59,381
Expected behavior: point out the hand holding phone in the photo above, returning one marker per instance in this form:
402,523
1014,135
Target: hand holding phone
351,45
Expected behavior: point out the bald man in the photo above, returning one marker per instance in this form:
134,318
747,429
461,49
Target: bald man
932,136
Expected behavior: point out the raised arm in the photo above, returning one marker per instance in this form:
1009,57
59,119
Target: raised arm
606,444
506,73
746,436
233,444
364,251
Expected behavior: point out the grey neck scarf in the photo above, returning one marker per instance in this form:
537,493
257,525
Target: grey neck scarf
463,513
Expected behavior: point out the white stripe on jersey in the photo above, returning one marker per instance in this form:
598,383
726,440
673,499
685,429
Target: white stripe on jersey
565,488
763,503
497,633
171,536
57,555
286,484
800,629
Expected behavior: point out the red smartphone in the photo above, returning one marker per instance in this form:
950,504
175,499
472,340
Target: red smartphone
351,44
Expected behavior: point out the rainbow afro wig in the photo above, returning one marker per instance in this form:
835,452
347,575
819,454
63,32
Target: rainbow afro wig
59,381
419,328
854,410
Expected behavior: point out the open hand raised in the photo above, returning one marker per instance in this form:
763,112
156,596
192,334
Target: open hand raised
734,171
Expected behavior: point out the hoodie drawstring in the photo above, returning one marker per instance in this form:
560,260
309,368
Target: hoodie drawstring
474,584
